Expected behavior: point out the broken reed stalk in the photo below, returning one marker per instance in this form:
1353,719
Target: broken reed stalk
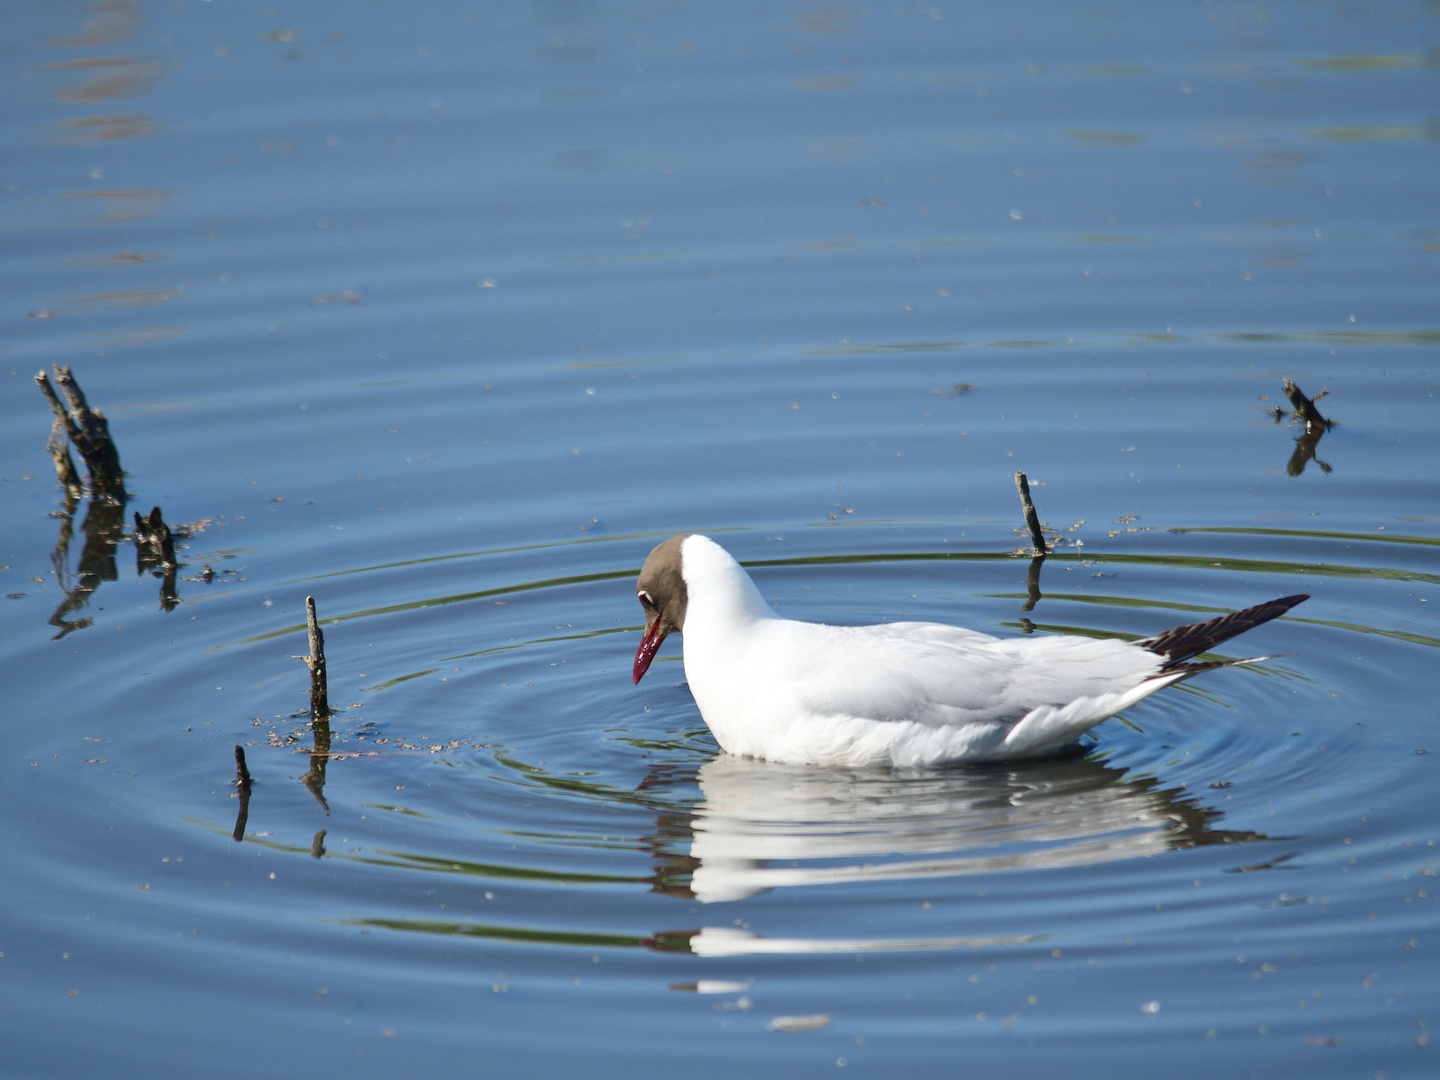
1032,520
1305,408
314,779
89,431
242,774
242,784
319,691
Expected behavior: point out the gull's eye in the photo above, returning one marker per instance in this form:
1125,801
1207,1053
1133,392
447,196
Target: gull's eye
644,598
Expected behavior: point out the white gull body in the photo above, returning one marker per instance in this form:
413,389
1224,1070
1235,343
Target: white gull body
908,693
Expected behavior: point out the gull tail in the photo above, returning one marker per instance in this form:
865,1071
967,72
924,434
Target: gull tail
1045,729
1183,642
1048,727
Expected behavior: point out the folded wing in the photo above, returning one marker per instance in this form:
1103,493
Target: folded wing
941,675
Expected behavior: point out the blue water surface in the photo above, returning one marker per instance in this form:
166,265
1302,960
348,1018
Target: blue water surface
446,313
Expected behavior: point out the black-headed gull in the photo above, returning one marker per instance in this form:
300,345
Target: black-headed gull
906,693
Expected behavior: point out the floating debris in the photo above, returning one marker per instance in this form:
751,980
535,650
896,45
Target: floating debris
798,1023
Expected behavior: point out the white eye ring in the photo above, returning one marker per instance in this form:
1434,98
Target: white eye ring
644,598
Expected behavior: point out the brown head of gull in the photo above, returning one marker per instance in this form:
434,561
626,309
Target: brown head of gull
661,592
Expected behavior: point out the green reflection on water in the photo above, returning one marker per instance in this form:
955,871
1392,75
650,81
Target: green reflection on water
1340,337
440,601
1398,635
1368,134
394,809
527,775
1113,601
403,860
398,679
505,933
1204,562
895,346
516,549
1375,62
1131,602
1302,337
1267,566
448,865
581,636
571,840
1309,534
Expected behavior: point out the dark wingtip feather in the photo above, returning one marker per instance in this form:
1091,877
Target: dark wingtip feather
1183,642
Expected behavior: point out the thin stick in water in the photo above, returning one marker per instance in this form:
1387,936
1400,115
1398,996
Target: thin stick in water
242,774
319,690
1032,520
242,783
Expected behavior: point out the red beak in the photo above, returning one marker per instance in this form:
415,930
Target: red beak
649,645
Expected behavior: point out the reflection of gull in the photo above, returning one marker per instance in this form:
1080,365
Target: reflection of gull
762,826
728,941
